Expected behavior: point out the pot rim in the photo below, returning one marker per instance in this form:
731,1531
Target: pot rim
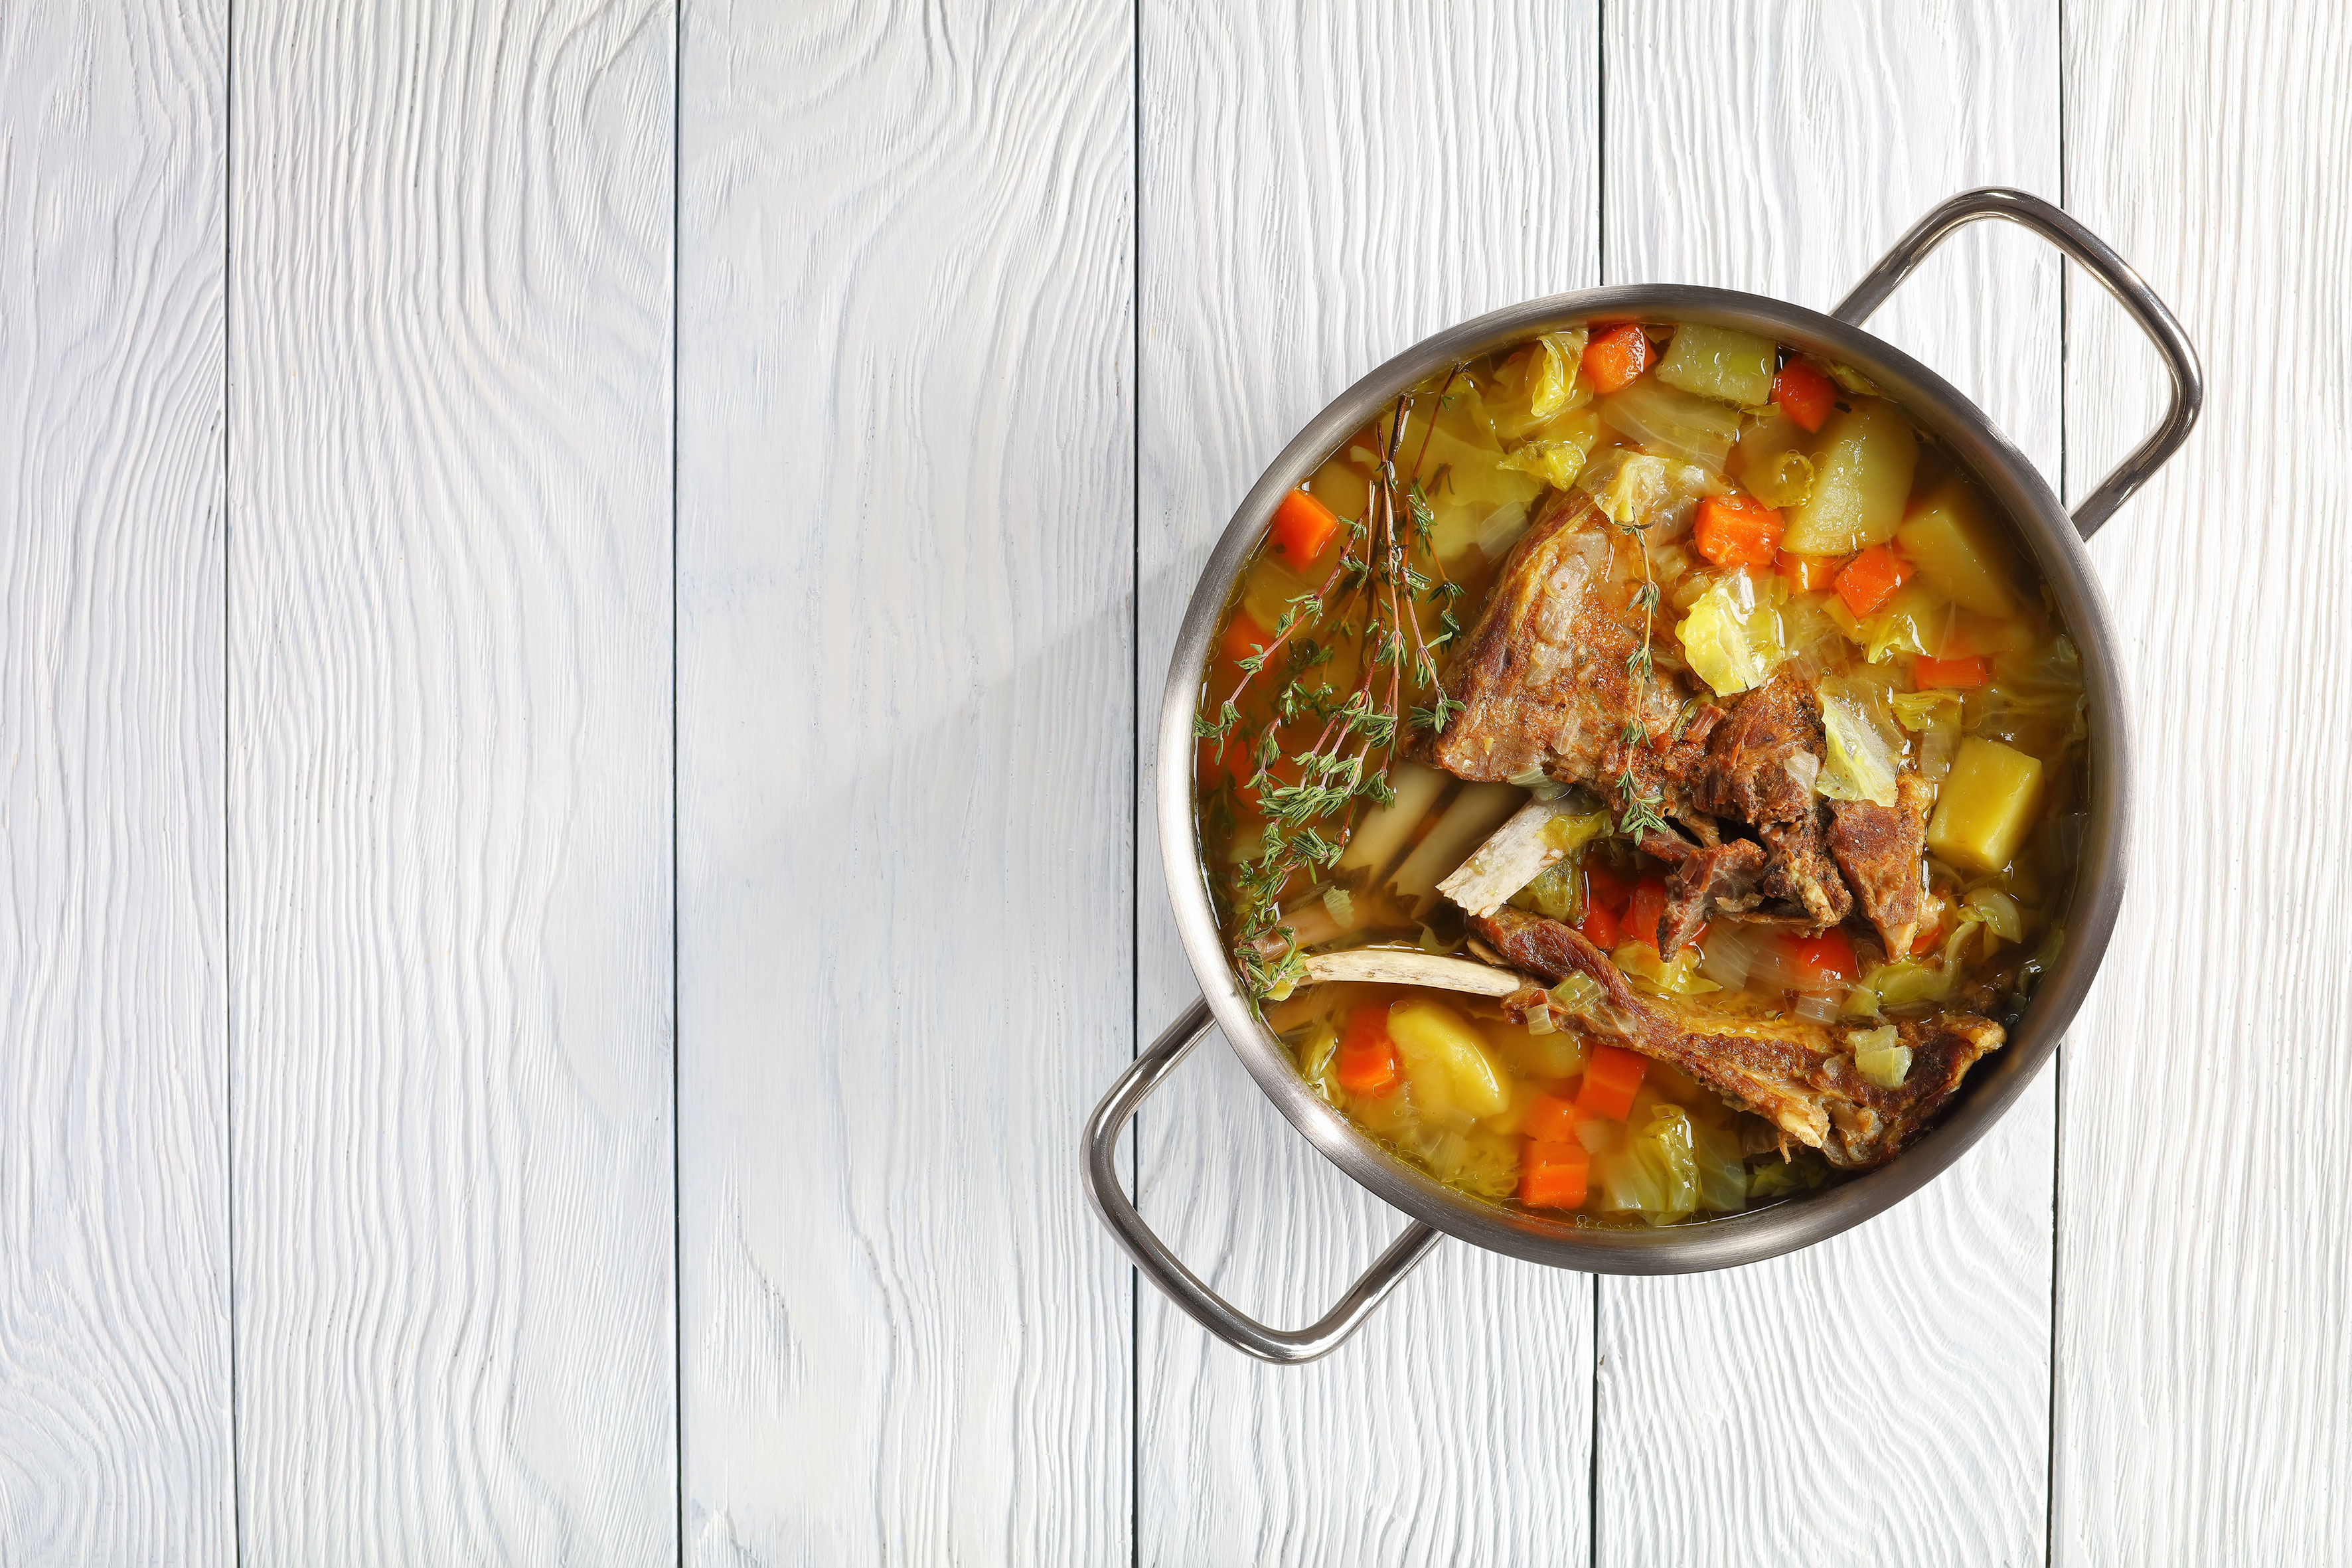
1991,1087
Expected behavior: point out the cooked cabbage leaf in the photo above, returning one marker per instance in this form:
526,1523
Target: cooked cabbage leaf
1722,1167
1729,640
1864,748
1654,1174
1556,463
1537,384
1673,424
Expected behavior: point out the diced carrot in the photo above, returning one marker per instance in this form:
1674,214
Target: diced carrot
1807,574
1241,638
1600,926
1551,1119
1804,394
1610,1076
1648,907
1737,530
1615,357
1368,1057
1870,578
1952,674
1602,886
1302,527
1817,961
1553,1175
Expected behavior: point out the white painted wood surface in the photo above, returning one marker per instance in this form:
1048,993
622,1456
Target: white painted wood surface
1805,1398
1322,185
906,755
337,1144
449,807
115,1443
2204,1348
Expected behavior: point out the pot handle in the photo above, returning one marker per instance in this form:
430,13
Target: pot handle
1180,1285
2114,274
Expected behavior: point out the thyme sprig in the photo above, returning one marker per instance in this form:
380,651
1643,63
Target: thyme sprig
1337,745
1638,814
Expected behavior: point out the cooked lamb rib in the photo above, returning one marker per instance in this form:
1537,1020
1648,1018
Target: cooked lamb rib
1704,878
1800,873
1541,678
1792,1071
1878,849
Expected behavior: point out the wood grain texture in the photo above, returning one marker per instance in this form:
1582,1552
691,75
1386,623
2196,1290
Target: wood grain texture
1882,1397
2204,1401
1323,185
449,798
115,1441
905,765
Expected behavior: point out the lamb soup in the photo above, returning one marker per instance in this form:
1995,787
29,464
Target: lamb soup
1640,774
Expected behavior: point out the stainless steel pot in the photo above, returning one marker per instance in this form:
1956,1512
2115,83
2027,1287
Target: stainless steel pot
2056,540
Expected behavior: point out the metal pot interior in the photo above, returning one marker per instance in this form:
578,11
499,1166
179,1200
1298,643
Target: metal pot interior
2044,527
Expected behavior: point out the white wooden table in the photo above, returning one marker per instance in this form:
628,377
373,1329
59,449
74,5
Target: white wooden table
583,597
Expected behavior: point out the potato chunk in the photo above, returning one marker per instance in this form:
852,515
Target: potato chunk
1987,806
1957,547
1862,476
1548,1058
1446,1062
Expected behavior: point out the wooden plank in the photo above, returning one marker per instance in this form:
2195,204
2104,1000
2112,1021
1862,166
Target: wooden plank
1787,1412
115,1441
905,765
1325,184
449,802
2205,1284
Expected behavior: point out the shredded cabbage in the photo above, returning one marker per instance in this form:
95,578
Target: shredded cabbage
1781,1178
1655,1174
2036,707
1317,1049
1732,641
1557,892
1907,980
1486,1162
1538,383
1627,486
1864,748
1570,832
1556,463
1675,424
1659,494
1917,710
1722,1167
1914,621
1998,911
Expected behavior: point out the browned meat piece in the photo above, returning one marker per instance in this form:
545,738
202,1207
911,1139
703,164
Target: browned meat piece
1878,849
1798,872
1541,677
1762,759
1795,1073
1704,876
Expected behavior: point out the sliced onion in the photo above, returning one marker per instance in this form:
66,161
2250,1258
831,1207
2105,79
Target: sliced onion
1728,956
1819,1006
